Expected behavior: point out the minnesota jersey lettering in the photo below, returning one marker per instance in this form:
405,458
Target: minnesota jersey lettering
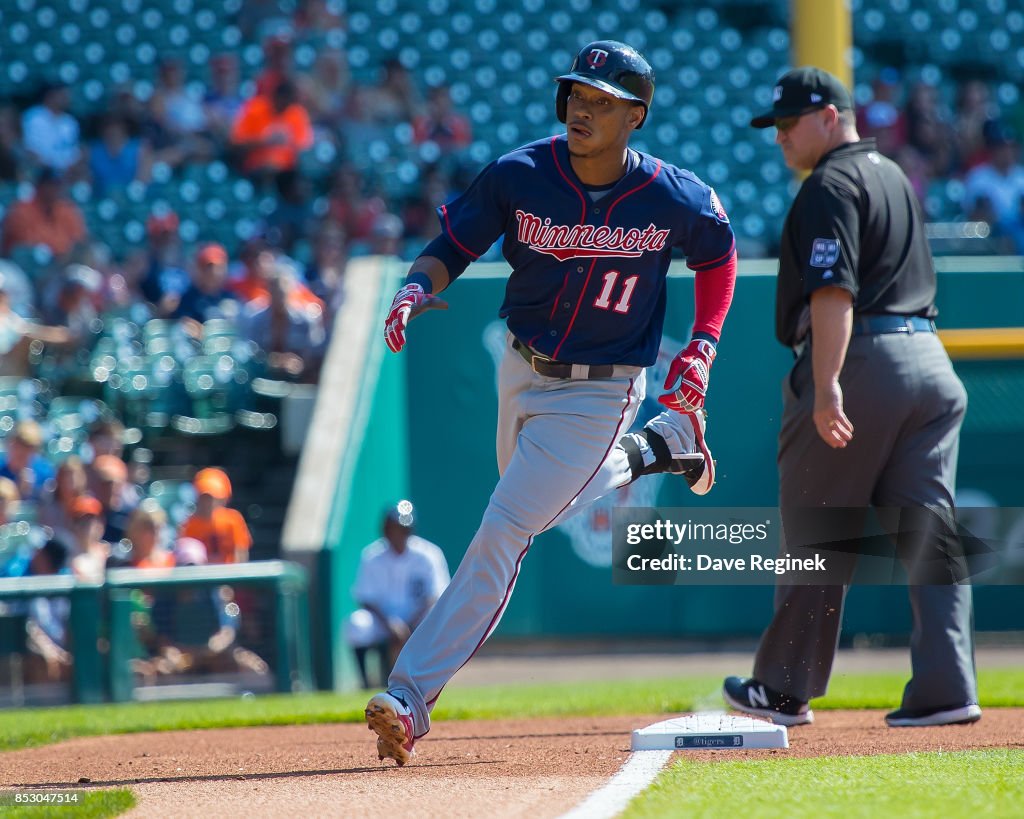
576,241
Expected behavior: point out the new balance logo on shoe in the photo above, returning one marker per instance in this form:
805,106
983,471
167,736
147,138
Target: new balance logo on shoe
757,696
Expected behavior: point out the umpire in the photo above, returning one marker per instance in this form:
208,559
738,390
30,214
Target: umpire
872,407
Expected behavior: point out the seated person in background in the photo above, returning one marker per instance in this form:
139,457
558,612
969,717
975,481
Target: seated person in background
9,500
17,335
48,218
119,498
145,533
160,268
49,133
117,159
222,531
90,551
194,629
441,124
46,627
292,335
399,579
207,296
22,462
272,130
70,483
259,263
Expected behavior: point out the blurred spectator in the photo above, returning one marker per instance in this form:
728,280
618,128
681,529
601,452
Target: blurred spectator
327,270
46,626
315,17
277,57
89,562
12,155
221,530
179,116
164,278
929,129
207,296
117,496
292,216
974,108
17,335
272,131
145,532
224,98
22,462
117,159
399,579
883,117
1001,182
441,124
420,214
260,264
350,207
75,303
395,98
194,630
291,334
69,484
106,437
325,90
48,218
49,133
386,236
9,500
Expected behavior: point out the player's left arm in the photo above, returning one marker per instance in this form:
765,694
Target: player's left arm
712,256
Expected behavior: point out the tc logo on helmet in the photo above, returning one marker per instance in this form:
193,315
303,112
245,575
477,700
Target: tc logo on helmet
597,58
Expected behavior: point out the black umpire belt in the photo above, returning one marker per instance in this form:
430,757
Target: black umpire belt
548,367
880,324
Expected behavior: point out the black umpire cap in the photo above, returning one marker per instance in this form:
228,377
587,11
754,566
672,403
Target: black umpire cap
801,91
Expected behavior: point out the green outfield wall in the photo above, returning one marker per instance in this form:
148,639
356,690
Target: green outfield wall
564,588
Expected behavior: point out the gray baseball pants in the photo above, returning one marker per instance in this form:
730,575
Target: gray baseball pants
906,405
556,446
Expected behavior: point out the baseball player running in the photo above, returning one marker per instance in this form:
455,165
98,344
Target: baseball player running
589,226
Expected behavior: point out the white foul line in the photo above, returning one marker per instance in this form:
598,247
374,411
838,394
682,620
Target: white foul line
636,774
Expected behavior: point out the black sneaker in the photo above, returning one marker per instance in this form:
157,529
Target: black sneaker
923,717
753,697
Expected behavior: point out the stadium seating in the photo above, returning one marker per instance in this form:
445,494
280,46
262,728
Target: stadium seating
715,64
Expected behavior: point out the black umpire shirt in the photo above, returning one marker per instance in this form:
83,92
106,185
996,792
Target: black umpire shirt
855,224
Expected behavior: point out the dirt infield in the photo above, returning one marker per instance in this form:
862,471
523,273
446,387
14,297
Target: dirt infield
539,768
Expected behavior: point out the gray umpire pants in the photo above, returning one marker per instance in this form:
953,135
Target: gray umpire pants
906,405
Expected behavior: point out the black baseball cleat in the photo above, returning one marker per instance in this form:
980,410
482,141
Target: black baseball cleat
923,717
755,698
674,443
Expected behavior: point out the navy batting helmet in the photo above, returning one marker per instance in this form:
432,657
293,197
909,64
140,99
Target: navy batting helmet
612,67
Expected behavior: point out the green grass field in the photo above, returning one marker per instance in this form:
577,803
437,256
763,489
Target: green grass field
910,786
29,727
92,805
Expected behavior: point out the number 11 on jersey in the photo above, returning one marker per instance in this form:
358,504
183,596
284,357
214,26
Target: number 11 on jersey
605,299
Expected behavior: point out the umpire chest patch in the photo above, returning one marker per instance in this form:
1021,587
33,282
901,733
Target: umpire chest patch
824,252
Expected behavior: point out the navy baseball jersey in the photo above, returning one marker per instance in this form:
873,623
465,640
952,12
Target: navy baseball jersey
588,270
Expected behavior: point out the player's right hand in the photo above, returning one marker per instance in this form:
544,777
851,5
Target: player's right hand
408,303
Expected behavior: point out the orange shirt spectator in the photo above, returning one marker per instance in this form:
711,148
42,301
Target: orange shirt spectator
222,530
260,264
273,130
45,219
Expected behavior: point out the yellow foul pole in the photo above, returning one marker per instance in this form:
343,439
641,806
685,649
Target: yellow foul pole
822,36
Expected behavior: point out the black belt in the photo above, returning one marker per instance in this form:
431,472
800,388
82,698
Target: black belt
542,365
879,324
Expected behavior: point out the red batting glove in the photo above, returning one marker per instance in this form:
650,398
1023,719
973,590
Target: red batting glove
408,298
691,368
